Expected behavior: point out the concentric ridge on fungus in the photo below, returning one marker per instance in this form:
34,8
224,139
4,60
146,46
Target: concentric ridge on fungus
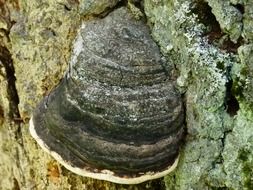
115,115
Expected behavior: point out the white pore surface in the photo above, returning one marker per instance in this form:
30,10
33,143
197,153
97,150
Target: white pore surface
104,174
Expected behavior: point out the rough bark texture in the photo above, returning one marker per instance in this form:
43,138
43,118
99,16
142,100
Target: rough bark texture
209,45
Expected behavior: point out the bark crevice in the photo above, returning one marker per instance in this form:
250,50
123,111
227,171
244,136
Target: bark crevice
6,60
231,102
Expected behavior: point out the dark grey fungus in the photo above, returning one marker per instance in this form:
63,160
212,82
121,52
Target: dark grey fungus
115,115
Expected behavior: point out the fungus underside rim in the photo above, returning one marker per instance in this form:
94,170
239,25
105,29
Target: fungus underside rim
104,174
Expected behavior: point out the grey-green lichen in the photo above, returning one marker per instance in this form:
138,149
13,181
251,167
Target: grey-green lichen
228,16
235,17
218,148
248,20
242,73
95,7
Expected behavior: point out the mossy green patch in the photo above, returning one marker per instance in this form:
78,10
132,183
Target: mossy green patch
247,162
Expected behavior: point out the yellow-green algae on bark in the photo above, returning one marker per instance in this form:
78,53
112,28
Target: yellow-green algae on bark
41,41
217,84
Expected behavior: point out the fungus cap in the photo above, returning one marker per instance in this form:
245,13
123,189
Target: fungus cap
116,115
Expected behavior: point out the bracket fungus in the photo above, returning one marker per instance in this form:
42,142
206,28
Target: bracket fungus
116,115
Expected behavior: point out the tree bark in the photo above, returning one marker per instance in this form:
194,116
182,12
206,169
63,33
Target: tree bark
208,48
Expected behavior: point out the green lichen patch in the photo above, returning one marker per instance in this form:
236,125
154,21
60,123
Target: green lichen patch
229,18
246,157
218,123
242,73
248,20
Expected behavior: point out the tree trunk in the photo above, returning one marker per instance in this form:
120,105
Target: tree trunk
208,48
